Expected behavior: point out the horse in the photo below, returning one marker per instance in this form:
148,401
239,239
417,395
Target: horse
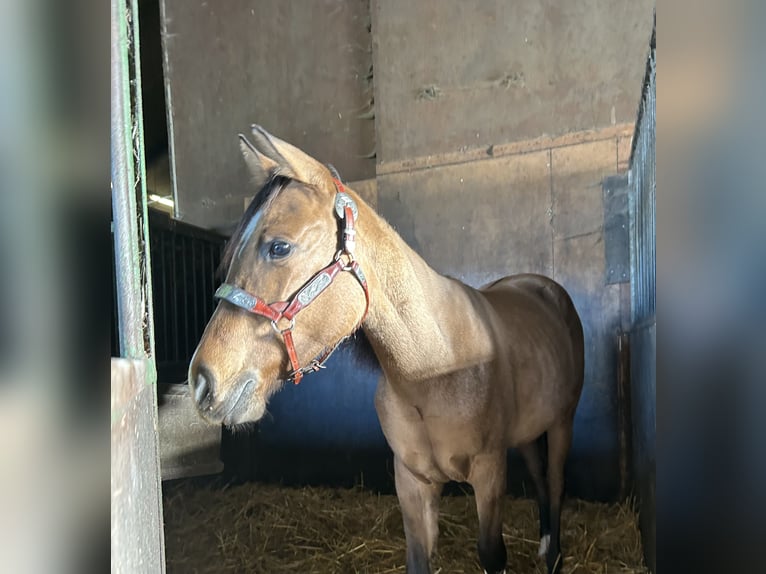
466,373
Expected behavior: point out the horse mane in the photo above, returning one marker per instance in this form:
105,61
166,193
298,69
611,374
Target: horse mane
273,186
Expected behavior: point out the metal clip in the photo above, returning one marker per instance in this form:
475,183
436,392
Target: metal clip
314,367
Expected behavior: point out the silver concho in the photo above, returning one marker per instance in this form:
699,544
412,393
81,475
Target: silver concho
242,299
341,201
235,296
310,291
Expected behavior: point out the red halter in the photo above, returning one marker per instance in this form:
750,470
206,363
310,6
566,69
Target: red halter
346,211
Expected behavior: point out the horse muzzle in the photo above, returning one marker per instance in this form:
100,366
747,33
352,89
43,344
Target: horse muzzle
231,403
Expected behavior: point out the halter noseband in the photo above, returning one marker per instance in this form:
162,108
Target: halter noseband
346,211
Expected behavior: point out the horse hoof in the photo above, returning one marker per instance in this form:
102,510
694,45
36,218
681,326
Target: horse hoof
545,542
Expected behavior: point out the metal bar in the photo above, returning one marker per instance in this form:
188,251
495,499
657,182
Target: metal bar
174,274
185,296
214,261
115,313
127,255
195,294
204,265
163,352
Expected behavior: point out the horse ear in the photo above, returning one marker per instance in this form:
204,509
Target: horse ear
260,166
304,167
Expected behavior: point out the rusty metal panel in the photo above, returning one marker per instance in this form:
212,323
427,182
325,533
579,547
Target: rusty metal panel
475,221
301,69
136,528
453,74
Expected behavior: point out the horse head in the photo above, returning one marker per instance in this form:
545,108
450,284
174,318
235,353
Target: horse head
292,288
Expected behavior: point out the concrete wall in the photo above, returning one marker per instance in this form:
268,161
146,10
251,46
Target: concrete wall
451,75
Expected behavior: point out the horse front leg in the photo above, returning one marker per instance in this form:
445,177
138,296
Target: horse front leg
419,501
488,481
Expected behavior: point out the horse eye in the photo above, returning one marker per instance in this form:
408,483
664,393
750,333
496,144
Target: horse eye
279,249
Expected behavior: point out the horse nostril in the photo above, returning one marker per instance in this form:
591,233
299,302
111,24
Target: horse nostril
202,386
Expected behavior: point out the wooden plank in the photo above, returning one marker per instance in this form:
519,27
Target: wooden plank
453,75
476,221
300,69
136,528
578,197
188,445
618,132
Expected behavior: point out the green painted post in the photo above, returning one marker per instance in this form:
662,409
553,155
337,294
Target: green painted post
137,533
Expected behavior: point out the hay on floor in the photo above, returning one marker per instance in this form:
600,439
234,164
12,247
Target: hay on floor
270,529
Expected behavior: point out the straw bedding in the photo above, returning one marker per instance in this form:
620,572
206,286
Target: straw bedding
270,529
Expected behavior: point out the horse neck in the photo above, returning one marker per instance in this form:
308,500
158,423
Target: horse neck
420,324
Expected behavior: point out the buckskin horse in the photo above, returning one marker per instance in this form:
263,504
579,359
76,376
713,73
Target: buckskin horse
467,373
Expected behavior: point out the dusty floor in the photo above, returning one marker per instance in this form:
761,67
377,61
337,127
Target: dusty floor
270,529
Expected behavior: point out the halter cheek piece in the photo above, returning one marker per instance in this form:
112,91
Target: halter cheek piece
346,211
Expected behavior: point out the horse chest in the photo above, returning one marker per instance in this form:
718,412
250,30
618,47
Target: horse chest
436,442
438,452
